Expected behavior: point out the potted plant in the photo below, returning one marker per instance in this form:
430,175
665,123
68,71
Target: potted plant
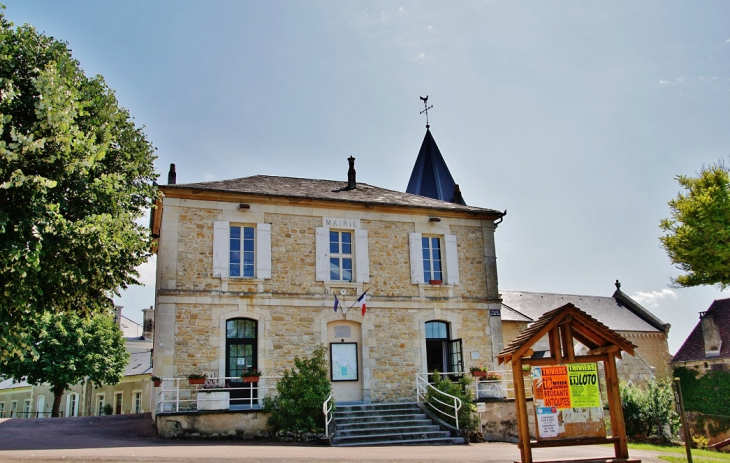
492,387
526,370
478,372
156,381
493,377
435,282
196,378
251,376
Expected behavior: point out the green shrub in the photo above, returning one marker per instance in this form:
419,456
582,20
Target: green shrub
302,391
467,417
107,410
646,410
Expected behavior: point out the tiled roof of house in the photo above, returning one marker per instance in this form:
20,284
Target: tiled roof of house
618,312
693,348
326,190
430,176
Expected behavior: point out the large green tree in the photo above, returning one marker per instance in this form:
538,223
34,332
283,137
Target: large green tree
71,349
75,174
698,233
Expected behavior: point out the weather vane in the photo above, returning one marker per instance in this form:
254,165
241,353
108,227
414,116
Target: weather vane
426,108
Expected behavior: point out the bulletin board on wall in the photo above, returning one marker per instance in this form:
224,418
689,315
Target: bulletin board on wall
567,401
343,361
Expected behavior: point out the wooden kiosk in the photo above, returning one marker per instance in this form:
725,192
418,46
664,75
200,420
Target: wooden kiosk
563,326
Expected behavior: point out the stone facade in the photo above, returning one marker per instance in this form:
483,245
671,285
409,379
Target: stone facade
293,310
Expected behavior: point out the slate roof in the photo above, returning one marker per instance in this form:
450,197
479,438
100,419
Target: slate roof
619,312
11,384
430,176
139,363
326,190
528,336
693,348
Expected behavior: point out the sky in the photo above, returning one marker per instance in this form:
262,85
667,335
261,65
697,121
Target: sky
574,116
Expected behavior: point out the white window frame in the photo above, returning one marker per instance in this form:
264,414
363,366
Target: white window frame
430,259
72,404
100,403
121,404
137,401
449,258
40,405
359,254
13,408
340,256
222,251
26,408
2,409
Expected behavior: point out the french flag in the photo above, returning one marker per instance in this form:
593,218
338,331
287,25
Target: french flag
361,301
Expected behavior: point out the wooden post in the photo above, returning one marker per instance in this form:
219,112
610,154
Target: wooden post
555,346
618,427
685,424
567,333
523,428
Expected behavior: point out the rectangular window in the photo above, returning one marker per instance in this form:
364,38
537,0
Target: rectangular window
431,258
26,408
137,402
341,255
241,260
13,408
2,409
99,404
117,403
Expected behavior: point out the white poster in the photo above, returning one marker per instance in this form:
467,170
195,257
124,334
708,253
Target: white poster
344,361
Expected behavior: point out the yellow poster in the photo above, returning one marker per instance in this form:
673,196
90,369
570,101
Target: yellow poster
584,391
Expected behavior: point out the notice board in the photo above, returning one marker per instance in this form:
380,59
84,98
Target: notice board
567,401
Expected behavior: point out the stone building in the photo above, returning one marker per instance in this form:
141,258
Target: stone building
708,345
619,312
248,270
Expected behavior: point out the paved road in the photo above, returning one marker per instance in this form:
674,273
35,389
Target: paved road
132,438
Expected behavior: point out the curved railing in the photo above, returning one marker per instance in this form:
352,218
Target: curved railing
326,410
422,389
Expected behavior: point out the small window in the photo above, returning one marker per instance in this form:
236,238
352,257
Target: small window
13,408
99,404
431,258
117,403
242,256
340,256
137,402
2,409
26,408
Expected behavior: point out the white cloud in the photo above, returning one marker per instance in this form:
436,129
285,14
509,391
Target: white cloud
727,40
651,299
663,82
147,271
208,177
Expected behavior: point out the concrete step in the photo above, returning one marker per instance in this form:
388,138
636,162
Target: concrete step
376,424
371,418
388,430
391,437
438,441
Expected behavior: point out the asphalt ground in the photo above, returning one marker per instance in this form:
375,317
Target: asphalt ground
126,438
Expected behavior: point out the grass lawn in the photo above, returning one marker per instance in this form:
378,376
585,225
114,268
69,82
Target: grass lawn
698,456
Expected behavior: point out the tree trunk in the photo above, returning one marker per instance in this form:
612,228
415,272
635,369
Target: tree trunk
57,394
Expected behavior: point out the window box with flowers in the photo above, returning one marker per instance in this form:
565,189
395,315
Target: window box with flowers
479,372
197,378
251,376
491,386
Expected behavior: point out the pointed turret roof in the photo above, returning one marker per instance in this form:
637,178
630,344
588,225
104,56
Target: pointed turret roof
431,176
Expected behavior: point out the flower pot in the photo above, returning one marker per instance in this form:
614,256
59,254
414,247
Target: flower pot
250,379
435,282
478,373
157,383
197,381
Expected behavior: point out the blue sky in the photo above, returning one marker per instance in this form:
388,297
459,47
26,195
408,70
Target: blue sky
574,116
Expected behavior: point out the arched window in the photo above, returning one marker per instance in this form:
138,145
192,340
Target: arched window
241,355
40,406
72,404
442,353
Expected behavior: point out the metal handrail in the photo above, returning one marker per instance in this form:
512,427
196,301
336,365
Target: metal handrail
327,417
422,386
170,391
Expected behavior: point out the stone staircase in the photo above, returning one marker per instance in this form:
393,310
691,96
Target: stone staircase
387,424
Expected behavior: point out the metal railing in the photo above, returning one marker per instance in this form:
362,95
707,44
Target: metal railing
488,388
178,394
326,410
422,391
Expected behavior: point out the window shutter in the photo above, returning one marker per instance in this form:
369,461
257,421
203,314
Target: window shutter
362,262
263,251
452,260
323,246
416,258
221,248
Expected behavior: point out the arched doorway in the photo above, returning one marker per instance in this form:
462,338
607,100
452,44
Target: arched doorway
344,346
443,353
241,355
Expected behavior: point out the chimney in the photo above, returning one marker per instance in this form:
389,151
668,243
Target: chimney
171,176
148,324
710,334
351,183
117,315
457,199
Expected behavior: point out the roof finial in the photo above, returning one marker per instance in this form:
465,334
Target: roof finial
426,108
618,285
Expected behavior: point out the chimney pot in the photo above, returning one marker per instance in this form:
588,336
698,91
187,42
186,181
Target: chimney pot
351,183
172,175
